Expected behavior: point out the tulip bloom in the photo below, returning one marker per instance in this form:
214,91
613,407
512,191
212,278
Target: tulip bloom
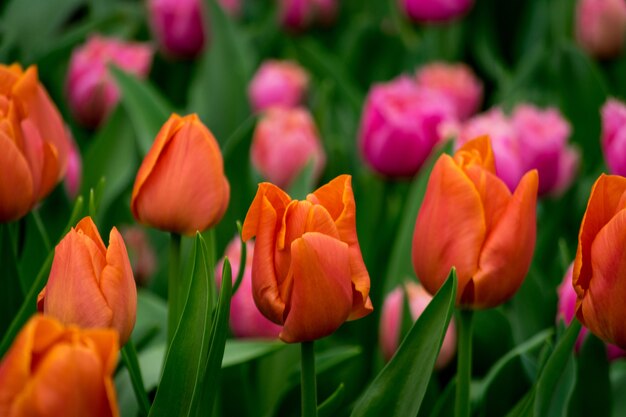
246,320
92,93
33,142
177,26
284,142
567,310
435,10
470,220
598,277
52,370
180,186
401,125
457,81
601,26
614,136
91,285
278,83
391,322
308,274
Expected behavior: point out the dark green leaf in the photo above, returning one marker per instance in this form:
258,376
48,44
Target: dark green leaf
592,395
11,295
331,404
240,351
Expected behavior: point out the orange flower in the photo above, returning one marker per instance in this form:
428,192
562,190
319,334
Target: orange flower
91,285
308,274
470,220
33,142
53,371
600,263
180,186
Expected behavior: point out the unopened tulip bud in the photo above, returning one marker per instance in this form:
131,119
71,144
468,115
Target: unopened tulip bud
435,10
614,136
246,321
91,91
177,26
278,83
601,26
391,322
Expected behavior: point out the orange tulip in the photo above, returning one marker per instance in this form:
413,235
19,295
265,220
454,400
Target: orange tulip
600,263
180,186
308,274
33,142
91,285
53,371
470,220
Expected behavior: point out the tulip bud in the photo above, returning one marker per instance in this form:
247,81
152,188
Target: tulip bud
284,142
601,26
614,136
543,136
391,322
246,321
456,81
435,10
401,125
180,186
91,285
142,257
308,274
52,370
567,310
73,175
92,93
177,26
33,142
600,260
278,83
300,14
469,220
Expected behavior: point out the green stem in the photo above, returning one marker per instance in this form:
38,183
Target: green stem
309,386
174,287
464,363
42,230
129,356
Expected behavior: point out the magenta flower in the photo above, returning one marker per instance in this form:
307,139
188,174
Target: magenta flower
278,83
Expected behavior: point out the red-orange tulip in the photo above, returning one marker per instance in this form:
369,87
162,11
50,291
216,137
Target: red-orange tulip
53,371
33,142
600,264
470,220
308,274
91,285
180,186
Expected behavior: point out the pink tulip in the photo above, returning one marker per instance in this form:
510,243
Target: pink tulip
284,142
614,136
278,83
601,26
567,311
73,175
91,92
400,126
435,10
177,26
391,322
246,321
300,14
457,81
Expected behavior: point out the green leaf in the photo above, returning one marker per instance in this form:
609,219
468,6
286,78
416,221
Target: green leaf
592,394
11,295
147,108
304,182
150,327
187,355
240,351
399,388
331,405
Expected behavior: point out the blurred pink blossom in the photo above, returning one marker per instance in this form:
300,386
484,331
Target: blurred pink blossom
91,91
141,253
601,26
278,83
177,26
300,14
614,136
435,10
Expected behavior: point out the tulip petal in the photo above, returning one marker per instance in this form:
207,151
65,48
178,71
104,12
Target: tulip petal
494,193
477,151
508,248
321,297
16,193
450,228
275,197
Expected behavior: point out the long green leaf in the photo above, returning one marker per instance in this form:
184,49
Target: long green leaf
592,395
399,388
11,295
240,351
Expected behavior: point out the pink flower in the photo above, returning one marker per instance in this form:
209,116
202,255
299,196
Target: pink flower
457,81
601,26
614,136
246,321
177,26
284,142
92,93
73,174
435,10
400,126
391,322
567,311
300,14
278,83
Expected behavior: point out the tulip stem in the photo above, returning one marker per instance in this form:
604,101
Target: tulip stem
129,356
307,378
174,287
464,363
